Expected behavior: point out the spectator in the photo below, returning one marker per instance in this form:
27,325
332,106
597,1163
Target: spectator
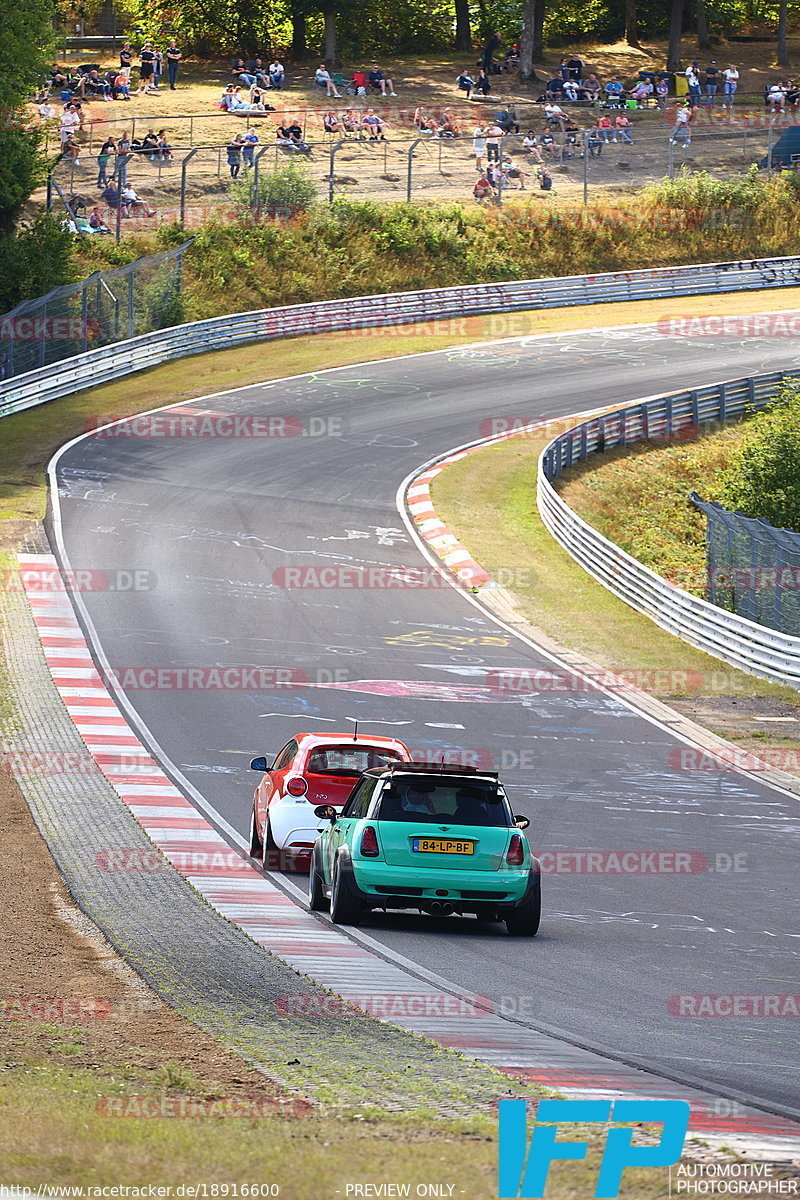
322,78
71,150
489,51
693,80
482,84
465,83
563,70
622,126
290,137
595,143
235,155
507,119
374,126
614,92
731,77
257,101
277,74
531,146
112,197
792,96
570,142
249,143
69,122
146,60
46,110
575,65
123,158
591,88
173,62
514,173
331,123
150,145
378,81
261,73
494,135
776,97
423,122
164,148
571,90
131,203
555,88
547,143
479,146
683,119
642,91
350,122
126,59
555,115
662,92
96,222
448,128
121,87
482,189
712,83
158,62
108,151
605,128
96,85
242,75
512,59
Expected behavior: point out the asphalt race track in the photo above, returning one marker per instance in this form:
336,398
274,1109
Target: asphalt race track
218,520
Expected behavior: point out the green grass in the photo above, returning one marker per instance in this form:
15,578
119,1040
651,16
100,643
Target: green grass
489,500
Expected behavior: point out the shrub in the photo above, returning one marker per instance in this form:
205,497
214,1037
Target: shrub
763,479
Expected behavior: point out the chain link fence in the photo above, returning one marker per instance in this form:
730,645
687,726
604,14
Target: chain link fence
108,306
753,568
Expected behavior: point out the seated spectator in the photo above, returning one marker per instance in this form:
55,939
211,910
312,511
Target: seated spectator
96,85
359,82
289,136
595,143
261,73
112,197
662,92
374,126
465,83
507,119
322,78
555,115
69,122
482,189
133,204
513,173
642,92
96,222
614,92
331,123
622,127
605,128
350,122
776,97
512,59
149,145
448,128
482,84
71,150
277,74
792,96
530,145
257,101
164,148
569,145
241,74
423,122
46,110
571,90
547,144
555,88
379,82
591,88
120,86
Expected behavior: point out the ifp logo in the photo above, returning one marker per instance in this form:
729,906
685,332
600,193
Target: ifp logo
523,1171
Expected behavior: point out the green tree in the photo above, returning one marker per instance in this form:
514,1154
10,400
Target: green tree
763,479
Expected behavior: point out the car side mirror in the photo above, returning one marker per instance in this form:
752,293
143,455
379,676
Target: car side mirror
521,822
325,812
258,764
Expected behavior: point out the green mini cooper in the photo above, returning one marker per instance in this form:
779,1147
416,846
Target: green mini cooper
440,839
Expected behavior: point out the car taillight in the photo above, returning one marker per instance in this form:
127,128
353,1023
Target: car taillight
297,787
369,843
516,855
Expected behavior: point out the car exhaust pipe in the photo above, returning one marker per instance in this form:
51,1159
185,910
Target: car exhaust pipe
440,908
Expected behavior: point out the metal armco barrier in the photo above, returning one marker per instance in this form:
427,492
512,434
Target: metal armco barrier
742,643
219,333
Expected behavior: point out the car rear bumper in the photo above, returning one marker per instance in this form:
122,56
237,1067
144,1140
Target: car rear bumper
381,885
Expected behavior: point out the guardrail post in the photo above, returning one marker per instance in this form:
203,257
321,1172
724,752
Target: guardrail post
131,299
769,149
85,314
751,391
586,166
184,165
411,150
695,409
668,416
257,177
623,429
335,146
723,403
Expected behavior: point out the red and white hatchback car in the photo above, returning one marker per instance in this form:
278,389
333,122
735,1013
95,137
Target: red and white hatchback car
311,769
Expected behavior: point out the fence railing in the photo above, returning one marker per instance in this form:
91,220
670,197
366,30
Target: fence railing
762,651
403,308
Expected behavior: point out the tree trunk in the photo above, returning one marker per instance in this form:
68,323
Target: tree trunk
331,49
703,40
675,31
463,30
526,41
632,23
299,43
539,9
783,46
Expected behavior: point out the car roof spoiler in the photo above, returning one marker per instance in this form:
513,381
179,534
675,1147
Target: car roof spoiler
434,769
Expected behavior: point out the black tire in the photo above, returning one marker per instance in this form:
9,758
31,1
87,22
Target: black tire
256,848
524,921
270,855
317,900
346,908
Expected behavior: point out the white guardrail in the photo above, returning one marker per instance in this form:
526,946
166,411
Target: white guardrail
754,648
123,358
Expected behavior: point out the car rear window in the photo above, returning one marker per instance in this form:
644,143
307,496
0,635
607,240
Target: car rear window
347,760
453,801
